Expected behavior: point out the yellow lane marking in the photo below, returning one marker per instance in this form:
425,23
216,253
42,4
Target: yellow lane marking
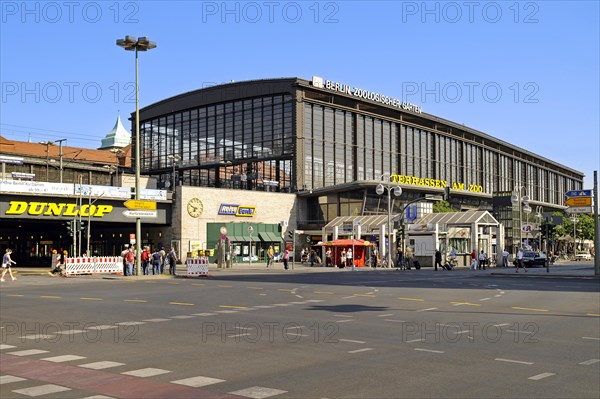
324,292
532,309
181,303
134,300
412,299
92,299
256,288
225,286
593,314
197,284
233,307
367,295
50,296
173,283
465,303
284,289
15,295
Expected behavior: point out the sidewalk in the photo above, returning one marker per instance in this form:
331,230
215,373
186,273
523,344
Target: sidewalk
557,270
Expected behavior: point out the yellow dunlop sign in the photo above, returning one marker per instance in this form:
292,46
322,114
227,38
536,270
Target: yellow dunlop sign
140,205
35,208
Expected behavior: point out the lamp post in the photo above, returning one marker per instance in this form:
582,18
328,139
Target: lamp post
47,144
117,152
175,159
527,210
380,189
517,199
574,220
130,43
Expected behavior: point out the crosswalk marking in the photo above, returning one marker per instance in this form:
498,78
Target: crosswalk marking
27,352
63,358
147,372
257,392
41,390
5,346
7,379
196,382
101,365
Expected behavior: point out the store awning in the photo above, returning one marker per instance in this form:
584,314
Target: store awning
269,236
233,238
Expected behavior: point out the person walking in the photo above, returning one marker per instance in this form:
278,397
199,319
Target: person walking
129,258
156,262
286,258
482,260
520,260
505,258
172,257
399,259
473,260
6,263
145,257
349,259
408,255
270,255
438,259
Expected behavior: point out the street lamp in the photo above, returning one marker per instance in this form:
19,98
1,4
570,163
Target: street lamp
111,169
380,189
517,199
60,156
175,159
118,152
574,220
130,43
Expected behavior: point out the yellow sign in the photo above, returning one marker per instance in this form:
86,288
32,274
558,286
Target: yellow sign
578,201
141,205
35,208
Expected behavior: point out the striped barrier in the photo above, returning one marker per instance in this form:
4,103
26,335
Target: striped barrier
197,266
94,265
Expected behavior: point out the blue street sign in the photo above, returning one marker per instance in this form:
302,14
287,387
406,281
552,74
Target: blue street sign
578,193
411,213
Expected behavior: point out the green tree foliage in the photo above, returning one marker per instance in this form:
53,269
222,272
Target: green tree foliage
584,226
442,207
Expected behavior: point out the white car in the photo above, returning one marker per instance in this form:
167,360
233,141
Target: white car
583,255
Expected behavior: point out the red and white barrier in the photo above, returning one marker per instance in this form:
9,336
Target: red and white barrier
197,266
93,265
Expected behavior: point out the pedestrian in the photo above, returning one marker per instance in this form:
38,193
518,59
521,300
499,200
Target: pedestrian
520,260
123,254
163,263
156,262
129,258
172,256
408,255
270,254
505,258
349,260
482,260
343,258
286,258
312,257
374,256
6,263
399,258
438,259
453,261
473,260
328,261
145,257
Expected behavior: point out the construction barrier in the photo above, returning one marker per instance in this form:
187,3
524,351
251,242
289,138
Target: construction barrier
197,266
93,265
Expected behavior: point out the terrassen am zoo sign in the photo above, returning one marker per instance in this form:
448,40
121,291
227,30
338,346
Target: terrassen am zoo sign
435,183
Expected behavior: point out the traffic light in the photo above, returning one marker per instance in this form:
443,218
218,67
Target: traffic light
82,226
446,195
70,227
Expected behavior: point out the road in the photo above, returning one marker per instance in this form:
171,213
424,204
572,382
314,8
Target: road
338,334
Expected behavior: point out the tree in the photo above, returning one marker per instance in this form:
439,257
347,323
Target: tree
442,207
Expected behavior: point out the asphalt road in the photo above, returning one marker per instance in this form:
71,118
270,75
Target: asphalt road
338,334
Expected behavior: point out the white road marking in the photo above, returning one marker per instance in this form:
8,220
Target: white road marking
520,332
293,327
102,327
7,379
196,382
257,392
37,337
295,334
425,310
100,396
41,390
348,297
203,314
264,306
244,328
69,332
385,315
315,300
344,321
589,362
502,325
298,302
540,376
226,311
299,296
147,372
183,316
27,352
361,350
415,340
395,320
238,335
101,365
281,304
597,339
427,350
497,296
352,341
63,358
343,315
513,361
130,323
156,320
485,299
5,346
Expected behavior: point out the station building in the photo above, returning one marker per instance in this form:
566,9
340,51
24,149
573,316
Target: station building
278,160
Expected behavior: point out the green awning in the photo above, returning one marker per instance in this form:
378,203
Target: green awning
269,236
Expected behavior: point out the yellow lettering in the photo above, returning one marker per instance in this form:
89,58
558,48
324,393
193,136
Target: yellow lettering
54,209
36,208
400,179
444,184
16,207
102,209
415,181
71,210
421,182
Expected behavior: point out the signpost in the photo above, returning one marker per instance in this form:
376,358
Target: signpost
579,201
142,205
140,214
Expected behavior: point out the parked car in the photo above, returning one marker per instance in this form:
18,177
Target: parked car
583,255
534,258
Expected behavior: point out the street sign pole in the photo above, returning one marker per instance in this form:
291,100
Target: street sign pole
596,227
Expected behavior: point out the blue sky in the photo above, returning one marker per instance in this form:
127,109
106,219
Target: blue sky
524,72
